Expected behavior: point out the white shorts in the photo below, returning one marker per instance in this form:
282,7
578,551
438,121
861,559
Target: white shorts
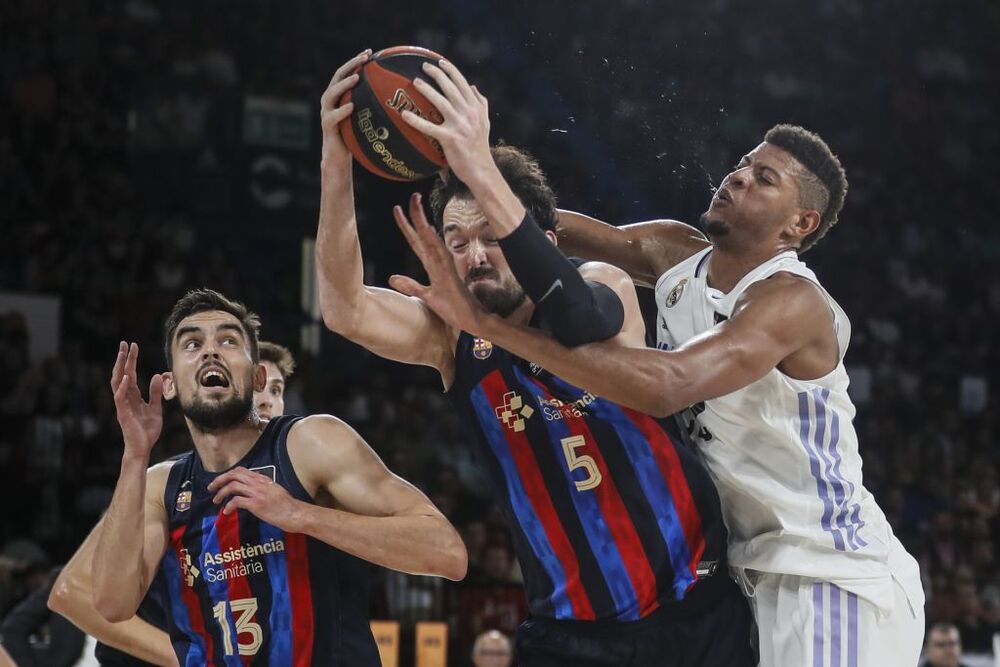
805,622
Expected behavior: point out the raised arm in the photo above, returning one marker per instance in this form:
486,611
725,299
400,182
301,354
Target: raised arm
383,321
645,250
72,596
372,513
134,536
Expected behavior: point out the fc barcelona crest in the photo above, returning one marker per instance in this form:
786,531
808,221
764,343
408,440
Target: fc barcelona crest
183,501
482,349
675,293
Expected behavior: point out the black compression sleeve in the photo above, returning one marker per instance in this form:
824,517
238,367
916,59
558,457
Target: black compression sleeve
577,311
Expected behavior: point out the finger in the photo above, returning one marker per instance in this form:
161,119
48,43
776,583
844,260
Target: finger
451,89
156,393
121,396
239,474
428,234
232,489
336,91
238,502
119,368
444,103
408,232
481,98
432,130
331,119
460,81
406,285
131,361
348,67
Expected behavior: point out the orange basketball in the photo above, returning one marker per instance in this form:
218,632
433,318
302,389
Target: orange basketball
376,133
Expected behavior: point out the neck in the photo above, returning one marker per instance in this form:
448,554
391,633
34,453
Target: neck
221,450
727,266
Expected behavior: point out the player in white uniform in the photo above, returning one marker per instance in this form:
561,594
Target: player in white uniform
754,347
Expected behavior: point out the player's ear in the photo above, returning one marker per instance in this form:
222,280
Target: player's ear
552,237
805,223
169,388
259,377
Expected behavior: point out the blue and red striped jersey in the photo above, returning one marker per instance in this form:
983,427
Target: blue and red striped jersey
243,592
612,517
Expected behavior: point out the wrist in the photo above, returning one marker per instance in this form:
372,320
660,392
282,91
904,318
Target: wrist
134,459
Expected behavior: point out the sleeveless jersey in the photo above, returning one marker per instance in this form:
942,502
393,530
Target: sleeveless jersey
611,518
783,452
244,592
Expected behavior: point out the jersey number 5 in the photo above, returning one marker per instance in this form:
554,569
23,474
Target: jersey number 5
585,461
244,611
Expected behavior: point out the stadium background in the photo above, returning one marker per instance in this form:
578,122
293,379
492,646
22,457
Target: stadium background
147,148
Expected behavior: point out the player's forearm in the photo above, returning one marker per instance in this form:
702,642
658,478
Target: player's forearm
339,264
117,571
72,596
498,202
418,544
644,379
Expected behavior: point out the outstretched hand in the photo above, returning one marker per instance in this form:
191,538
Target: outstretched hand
141,422
446,295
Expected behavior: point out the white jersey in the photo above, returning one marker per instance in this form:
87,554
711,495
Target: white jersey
784,452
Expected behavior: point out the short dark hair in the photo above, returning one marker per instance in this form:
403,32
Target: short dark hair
279,355
524,176
824,186
204,299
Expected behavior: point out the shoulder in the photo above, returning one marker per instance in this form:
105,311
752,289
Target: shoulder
157,478
669,242
785,299
321,441
607,274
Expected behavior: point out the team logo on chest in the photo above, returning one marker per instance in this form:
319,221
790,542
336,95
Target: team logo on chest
675,293
184,498
482,349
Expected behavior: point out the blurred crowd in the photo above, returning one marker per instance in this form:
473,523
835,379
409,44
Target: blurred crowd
128,178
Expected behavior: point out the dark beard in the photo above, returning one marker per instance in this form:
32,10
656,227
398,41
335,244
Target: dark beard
714,229
218,415
502,300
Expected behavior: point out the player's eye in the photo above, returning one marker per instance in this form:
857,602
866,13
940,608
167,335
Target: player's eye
459,245
191,345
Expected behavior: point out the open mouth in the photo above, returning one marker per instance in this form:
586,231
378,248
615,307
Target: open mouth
213,377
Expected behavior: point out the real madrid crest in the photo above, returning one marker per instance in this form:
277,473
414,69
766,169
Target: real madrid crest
675,293
482,349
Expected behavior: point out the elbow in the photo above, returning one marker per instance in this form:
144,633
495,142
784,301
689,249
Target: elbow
111,609
59,597
339,320
455,561
458,564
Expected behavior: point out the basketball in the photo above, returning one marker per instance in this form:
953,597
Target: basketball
376,133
